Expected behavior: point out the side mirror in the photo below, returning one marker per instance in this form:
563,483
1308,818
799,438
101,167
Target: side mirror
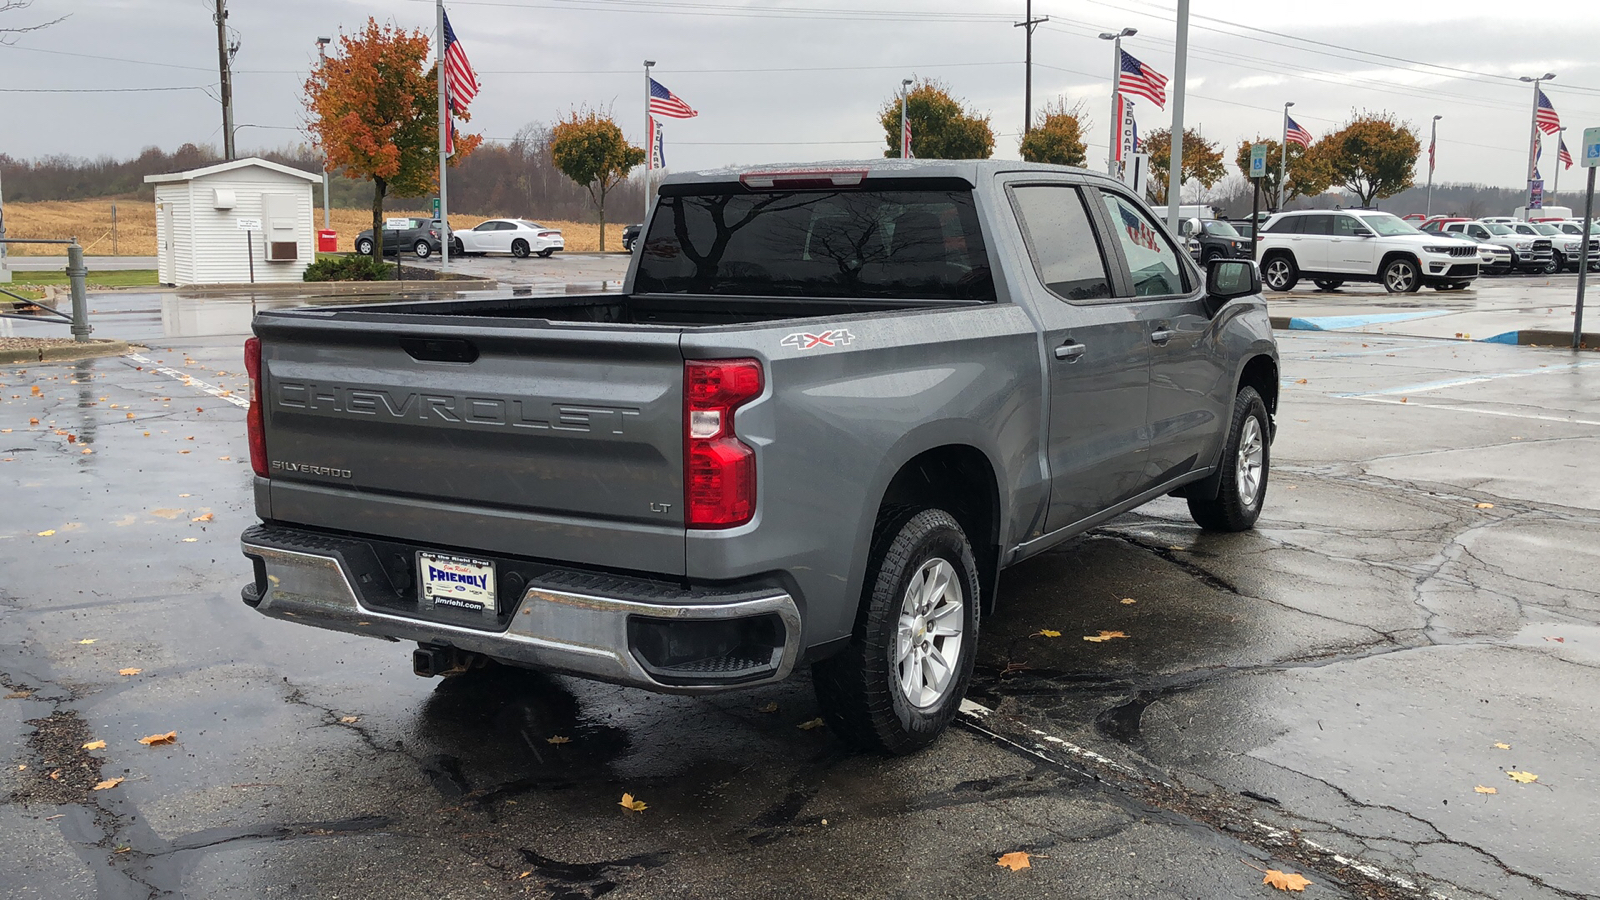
1364,233
1230,279
1189,227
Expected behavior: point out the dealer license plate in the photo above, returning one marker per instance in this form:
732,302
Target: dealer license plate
457,582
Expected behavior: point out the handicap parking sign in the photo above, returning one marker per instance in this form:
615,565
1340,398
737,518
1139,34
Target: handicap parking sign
1591,147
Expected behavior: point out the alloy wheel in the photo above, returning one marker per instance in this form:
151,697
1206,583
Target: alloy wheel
927,645
1247,468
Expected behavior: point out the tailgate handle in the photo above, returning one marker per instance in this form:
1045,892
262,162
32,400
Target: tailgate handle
451,350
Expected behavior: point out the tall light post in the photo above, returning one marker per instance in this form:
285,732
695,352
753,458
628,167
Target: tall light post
1433,141
1116,76
1030,23
327,218
1180,75
1283,160
1555,184
650,149
1533,128
905,84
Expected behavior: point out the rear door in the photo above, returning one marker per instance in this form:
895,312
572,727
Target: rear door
494,434
1348,251
1190,388
1097,354
1311,244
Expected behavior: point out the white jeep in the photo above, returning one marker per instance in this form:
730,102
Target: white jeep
1333,247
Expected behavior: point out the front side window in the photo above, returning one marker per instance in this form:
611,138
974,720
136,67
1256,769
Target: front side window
487,226
913,244
1152,259
1061,241
1347,226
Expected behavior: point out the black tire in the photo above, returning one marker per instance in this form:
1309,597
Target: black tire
455,248
1552,267
519,248
1328,284
1279,273
860,689
547,252
422,249
1212,254
1230,510
364,246
1401,276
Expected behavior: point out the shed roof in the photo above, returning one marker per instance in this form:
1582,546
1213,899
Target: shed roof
230,166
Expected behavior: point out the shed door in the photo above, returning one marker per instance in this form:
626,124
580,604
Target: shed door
282,234
165,260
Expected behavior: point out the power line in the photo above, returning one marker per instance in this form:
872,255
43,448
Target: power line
139,90
727,11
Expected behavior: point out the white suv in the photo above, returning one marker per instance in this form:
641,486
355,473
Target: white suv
1333,247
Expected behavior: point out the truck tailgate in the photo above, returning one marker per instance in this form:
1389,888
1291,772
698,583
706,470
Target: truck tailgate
542,440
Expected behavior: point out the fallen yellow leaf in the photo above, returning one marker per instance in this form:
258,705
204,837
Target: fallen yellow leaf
1104,636
1501,746
33,421
190,540
108,784
170,737
769,708
1484,505
807,726
205,518
130,415
628,802
88,640
1128,601
95,745
129,671
1522,777
558,739
1285,881
1486,790
1046,632
349,720
19,695
1016,861
1301,381
55,775
47,532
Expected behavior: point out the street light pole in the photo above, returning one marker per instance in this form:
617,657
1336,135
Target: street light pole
1180,69
327,217
1533,129
1283,160
1029,23
1433,141
650,149
1116,77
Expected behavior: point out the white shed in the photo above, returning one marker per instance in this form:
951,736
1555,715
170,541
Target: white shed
202,217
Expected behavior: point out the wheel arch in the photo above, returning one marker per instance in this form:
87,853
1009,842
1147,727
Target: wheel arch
1260,371
1393,255
961,479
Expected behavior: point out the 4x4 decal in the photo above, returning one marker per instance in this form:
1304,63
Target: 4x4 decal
838,337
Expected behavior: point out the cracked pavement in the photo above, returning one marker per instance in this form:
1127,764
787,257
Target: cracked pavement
1321,695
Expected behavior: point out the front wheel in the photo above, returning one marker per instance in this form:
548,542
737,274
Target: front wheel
1246,460
1553,266
1280,273
519,248
423,249
899,683
1402,277
1328,284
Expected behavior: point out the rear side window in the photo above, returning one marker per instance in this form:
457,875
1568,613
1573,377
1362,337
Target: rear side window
1152,260
1320,223
889,244
1286,225
1061,242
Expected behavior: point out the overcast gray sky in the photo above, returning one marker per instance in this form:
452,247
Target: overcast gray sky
801,79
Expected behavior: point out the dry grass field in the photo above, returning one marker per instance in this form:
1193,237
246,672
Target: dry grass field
90,222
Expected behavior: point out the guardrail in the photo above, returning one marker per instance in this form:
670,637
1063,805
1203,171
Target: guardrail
77,280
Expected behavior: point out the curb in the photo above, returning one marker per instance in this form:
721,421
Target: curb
66,352
1536,337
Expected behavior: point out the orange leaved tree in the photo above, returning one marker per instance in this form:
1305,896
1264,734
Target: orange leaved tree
373,111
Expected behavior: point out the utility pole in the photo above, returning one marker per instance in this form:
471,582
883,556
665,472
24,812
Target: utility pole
1116,79
1433,142
225,52
1030,23
1283,160
1180,69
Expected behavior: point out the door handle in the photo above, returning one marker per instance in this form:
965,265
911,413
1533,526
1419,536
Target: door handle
1161,336
1070,351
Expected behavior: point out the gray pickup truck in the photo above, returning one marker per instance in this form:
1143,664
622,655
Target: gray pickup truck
829,405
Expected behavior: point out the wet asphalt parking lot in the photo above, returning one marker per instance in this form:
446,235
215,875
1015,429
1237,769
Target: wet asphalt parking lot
1323,696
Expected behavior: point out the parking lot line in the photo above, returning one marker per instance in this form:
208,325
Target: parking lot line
1469,409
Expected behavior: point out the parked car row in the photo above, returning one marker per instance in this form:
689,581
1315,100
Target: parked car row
1548,246
518,237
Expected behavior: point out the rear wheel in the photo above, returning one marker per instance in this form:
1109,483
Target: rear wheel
519,248
364,246
423,249
1280,273
1401,276
899,683
546,253
1328,284
1246,460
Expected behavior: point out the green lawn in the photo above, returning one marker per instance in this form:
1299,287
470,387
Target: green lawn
115,278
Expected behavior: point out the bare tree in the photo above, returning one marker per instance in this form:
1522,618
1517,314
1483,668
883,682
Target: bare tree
8,34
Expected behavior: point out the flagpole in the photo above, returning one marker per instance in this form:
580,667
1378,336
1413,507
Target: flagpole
1433,141
1283,160
649,157
444,139
1555,186
1116,79
904,82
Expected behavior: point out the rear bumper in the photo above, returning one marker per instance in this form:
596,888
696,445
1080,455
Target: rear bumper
593,625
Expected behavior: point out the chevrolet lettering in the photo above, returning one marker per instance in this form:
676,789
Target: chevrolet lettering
826,408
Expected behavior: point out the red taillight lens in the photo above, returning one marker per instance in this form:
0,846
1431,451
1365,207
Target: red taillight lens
255,419
719,470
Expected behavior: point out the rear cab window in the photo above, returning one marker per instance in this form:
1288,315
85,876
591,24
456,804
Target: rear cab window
902,242
1061,242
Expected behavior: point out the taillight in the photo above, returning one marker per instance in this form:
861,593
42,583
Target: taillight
719,470
549,234
255,419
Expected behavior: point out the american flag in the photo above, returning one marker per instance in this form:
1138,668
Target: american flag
461,83
1562,156
1545,117
1140,80
1294,134
665,103
905,140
